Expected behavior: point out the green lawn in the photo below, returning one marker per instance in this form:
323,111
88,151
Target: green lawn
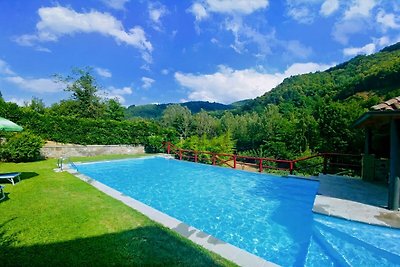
53,219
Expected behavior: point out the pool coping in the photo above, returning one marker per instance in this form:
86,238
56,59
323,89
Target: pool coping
226,250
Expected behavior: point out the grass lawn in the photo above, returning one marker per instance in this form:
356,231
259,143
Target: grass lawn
54,219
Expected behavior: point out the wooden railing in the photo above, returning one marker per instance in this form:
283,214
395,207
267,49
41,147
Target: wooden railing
329,162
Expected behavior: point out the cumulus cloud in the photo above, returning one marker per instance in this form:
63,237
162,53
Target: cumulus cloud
301,14
147,82
244,35
58,21
298,50
228,85
5,68
156,12
201,9
115,4
37,85
329,7
359,8
366,49
116,93
388,20
103,72
343,29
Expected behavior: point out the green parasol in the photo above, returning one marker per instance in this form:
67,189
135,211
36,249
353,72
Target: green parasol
9,126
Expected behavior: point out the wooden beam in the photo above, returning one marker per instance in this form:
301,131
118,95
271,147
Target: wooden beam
394,179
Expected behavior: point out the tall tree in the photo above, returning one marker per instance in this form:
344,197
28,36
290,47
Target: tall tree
178,117
84,88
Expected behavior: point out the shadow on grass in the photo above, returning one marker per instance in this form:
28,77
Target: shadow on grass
148,245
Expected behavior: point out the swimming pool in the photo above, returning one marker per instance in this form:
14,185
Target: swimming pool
266,215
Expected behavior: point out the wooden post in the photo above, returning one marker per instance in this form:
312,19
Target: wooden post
168,147
325,170
291,167
394,183
260,167
368,141
180,154
234,161
213,159
195,156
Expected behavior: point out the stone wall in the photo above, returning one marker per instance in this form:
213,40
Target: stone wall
57,151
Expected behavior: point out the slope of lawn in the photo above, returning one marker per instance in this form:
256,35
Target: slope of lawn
54,219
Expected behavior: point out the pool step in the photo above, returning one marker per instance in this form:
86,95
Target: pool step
343,250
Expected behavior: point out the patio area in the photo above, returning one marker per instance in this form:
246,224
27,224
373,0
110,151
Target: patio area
355,199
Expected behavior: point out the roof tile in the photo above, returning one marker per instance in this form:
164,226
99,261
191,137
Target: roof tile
391,104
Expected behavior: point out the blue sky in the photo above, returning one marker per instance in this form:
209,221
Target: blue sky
173,51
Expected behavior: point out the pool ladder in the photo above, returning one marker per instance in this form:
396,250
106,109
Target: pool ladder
62,161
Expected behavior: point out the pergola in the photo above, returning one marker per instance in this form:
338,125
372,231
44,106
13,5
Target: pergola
386,117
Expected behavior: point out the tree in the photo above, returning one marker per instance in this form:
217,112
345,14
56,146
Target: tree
205,124
114,110
179,118
36,105
83,87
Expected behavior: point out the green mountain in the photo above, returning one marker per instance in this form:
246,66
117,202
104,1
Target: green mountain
155,111
373,78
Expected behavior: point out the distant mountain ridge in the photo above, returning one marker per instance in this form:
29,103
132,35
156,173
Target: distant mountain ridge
155,111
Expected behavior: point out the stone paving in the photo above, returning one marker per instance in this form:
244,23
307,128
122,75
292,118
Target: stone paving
354,199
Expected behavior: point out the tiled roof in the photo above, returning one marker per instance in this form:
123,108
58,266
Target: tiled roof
391,104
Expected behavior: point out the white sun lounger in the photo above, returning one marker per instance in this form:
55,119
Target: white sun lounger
11,176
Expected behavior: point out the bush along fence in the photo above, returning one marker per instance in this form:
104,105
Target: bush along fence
327,162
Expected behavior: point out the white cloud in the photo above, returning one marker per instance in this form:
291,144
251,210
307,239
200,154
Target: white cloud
388,20
58,21
116,4
344,28
5,68
37,85
244,35
115,93
301,14
156,12
359,8
103,72
201,9
165,72
228,85
19,101
366,49
329,7
298,50
147,82
236,6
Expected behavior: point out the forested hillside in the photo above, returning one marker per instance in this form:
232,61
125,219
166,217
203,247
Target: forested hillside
373,77
155,111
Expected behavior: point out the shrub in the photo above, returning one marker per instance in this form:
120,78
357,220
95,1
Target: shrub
154,144
22,147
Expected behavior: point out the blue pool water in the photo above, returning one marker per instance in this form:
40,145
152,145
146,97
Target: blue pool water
267,215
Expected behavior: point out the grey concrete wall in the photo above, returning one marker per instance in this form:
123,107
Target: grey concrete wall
56,151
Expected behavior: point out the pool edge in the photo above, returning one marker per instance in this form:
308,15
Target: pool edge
209,242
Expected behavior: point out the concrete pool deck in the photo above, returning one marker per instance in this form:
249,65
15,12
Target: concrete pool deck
355,200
